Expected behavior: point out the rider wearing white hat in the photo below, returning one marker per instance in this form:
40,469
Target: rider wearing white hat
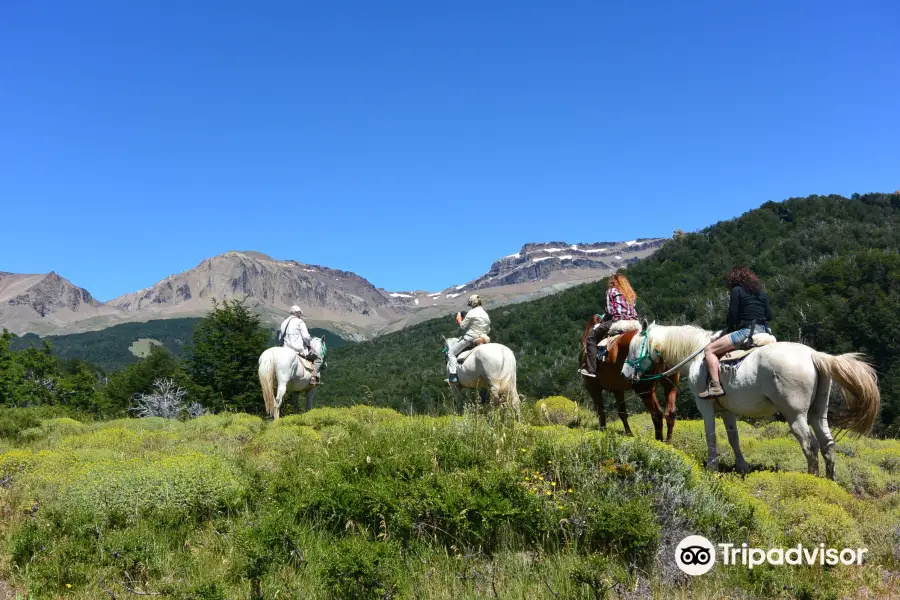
296,336
477,324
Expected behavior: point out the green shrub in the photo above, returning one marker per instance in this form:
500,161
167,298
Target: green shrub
598,574
112,489
14,421
558,410
808,509
625,526
359,569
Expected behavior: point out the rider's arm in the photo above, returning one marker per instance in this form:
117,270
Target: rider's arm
466,321
768,309
304,333
734,308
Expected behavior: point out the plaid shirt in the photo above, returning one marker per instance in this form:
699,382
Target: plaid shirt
618,307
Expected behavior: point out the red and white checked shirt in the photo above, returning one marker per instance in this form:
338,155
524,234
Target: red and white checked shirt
618,307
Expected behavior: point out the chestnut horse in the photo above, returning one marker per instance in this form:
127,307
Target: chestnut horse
609,378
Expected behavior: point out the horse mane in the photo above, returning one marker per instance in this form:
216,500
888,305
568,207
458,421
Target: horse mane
677,342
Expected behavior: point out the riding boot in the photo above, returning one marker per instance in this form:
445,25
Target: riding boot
714,391
591,349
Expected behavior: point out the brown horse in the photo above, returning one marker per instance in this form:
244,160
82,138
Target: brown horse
609,378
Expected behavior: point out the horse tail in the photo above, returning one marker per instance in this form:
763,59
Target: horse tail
588,328
267,380
859,383
507,381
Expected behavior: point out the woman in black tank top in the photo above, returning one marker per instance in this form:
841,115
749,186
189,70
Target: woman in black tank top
748,303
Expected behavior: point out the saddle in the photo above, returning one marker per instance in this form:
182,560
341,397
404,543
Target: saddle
613,343
758,340
462,356
753,342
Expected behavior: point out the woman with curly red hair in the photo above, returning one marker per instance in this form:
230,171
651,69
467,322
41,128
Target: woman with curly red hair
620,317
748,303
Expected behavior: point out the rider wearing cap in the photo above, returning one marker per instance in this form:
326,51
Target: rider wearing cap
476,324
296,337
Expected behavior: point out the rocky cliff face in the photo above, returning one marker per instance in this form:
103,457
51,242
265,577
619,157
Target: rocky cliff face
44,294
48,297
324,294
535,262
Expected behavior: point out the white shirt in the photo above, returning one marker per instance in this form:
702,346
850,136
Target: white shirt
476,323
295,334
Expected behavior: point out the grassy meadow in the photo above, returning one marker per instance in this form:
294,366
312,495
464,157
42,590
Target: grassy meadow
364,502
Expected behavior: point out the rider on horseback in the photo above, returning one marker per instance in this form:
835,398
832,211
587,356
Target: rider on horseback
748,303
477,324
620,317
294,335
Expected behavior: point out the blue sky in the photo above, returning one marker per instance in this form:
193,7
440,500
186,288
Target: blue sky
415,142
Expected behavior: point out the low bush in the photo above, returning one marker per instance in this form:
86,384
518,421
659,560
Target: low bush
559,410
363,502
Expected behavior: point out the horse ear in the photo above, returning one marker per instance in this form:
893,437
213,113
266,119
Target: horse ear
644,325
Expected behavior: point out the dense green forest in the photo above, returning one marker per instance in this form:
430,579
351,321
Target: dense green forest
109,348
830,265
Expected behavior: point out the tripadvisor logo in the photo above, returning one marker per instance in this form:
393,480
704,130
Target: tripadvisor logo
696,555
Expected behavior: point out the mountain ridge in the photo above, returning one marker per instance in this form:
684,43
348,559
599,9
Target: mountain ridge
334,299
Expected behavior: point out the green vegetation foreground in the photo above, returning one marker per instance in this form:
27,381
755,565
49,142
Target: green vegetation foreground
366,503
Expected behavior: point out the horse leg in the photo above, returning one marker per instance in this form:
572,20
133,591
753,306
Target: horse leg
279,398
808,442
826,443
296,398
709,427
623,412
740,463
671,394
818,416
653,407
596,395
483,394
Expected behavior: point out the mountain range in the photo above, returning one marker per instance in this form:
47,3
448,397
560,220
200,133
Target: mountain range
341,301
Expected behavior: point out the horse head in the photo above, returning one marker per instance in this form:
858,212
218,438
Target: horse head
317,344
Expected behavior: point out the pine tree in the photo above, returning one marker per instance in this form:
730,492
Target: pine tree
224,358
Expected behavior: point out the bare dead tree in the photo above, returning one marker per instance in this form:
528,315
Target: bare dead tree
167,400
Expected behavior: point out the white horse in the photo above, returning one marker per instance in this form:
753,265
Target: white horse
281,371
784,377
489,367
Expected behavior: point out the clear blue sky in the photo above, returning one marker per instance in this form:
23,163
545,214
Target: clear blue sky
415,142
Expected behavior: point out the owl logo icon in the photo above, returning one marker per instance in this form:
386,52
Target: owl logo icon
695,555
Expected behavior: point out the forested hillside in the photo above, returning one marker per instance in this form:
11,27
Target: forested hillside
109,348
830,265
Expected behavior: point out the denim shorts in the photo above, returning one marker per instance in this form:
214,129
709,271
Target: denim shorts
738,337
